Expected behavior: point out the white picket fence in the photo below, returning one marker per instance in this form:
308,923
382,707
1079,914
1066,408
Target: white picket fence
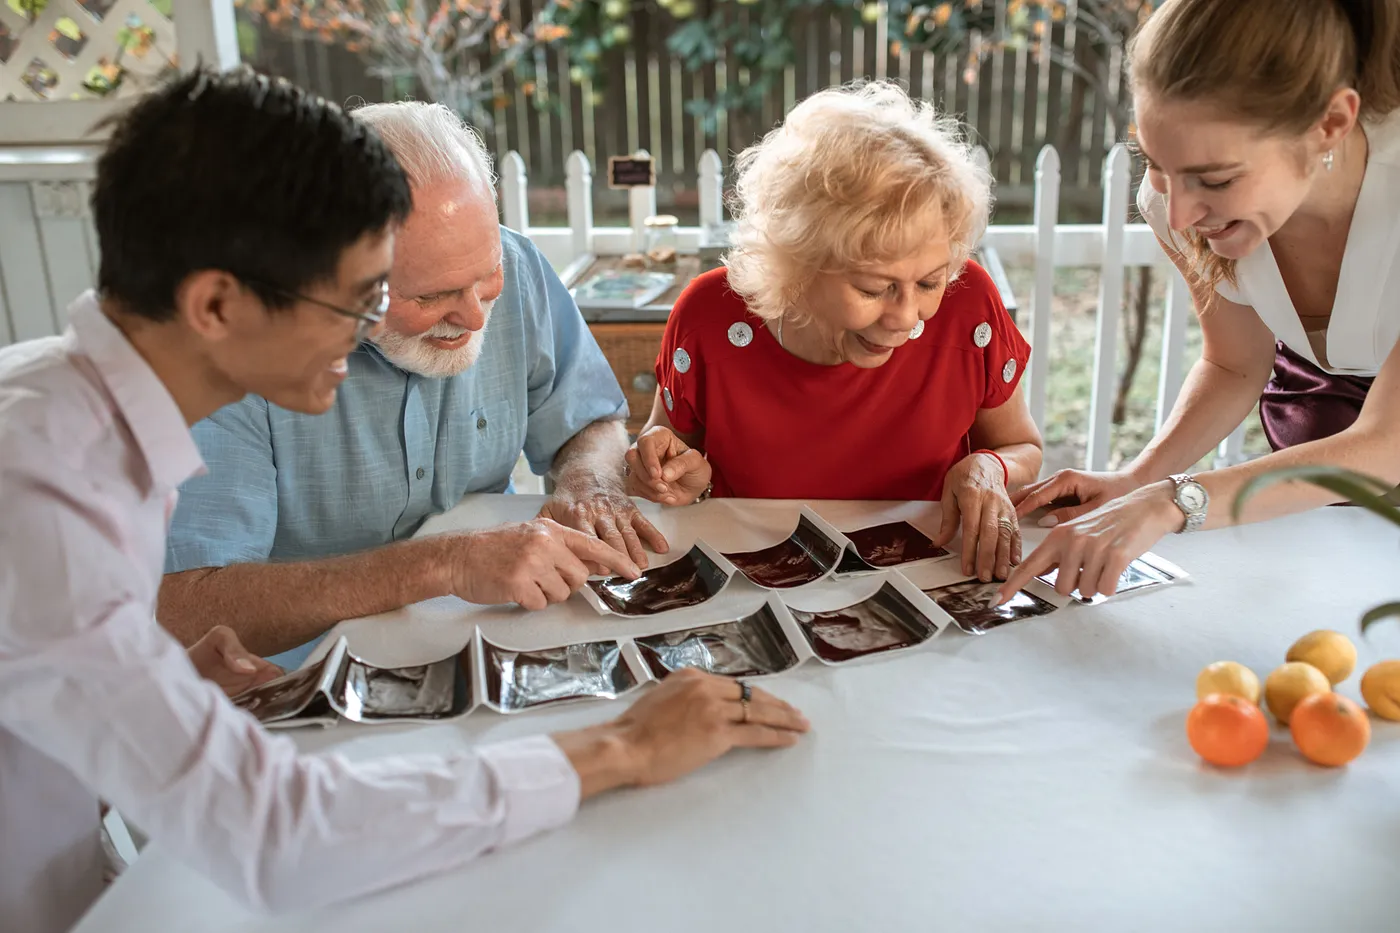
48,254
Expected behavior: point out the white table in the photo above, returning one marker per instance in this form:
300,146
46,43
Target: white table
1036,778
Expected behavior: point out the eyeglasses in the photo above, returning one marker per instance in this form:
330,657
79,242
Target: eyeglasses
369,318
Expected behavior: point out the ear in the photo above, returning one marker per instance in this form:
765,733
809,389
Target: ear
1339,119
213,303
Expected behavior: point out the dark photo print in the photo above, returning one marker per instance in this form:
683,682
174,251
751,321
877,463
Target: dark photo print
971,604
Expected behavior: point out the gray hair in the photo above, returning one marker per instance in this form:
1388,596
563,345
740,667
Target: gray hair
431,143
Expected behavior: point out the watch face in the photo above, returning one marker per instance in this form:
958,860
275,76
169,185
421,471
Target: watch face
1191,496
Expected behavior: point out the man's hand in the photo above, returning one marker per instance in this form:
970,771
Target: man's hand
687,721
605,511
532,563
219,656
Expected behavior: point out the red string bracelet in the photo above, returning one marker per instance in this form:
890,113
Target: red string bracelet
1005,473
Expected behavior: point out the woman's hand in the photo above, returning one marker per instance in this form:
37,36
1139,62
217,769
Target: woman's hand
974,494
219,656
662,468
1093,551
1090,489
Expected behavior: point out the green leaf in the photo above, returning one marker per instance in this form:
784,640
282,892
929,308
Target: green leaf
161,6
248,38
1384,611
65,26
1366,491
29,9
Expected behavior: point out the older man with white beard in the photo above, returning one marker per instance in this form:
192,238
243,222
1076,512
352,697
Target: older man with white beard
301,522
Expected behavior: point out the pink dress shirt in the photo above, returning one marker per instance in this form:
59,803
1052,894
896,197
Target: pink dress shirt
97,700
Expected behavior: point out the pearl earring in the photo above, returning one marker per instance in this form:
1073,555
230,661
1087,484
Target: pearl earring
1327,159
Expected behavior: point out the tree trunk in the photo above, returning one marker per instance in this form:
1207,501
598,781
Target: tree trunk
1137,338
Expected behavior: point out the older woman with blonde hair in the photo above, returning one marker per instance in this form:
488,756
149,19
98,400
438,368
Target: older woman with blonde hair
849,349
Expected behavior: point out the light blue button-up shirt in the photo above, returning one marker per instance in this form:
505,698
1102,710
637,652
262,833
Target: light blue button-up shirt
397,447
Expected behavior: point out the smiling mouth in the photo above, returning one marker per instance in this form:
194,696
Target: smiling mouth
451,343
1212,233
877,349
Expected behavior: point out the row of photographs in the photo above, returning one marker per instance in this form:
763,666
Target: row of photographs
896,615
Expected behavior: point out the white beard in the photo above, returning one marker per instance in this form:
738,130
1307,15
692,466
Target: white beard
417,355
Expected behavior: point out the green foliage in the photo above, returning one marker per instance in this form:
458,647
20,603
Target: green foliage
756,35
1366,491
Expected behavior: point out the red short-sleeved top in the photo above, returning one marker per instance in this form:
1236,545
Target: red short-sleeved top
778,427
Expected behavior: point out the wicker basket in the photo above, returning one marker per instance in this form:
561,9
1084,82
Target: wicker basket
631,351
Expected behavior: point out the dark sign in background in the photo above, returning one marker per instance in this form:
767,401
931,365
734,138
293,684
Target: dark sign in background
631,172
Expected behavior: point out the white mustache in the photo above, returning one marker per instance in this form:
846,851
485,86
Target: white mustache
444,331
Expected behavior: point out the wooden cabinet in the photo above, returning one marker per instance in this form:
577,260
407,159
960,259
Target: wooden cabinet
631,350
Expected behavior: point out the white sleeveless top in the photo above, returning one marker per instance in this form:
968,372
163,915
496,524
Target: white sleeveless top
1365,322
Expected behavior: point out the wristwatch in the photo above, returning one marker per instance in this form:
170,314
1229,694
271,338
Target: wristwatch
1193,500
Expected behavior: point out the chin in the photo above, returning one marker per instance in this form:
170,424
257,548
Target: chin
1238,245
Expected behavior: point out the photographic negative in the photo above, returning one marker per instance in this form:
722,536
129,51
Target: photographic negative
517,680
686,582
288,695
806,555
884,622
748,647
971,604
1141,574
889,545
421,691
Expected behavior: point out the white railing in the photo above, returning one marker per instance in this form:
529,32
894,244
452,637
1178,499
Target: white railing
48,254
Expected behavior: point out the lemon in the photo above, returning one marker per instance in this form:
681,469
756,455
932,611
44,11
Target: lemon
1380,688
1230,678
1328,651
1286,687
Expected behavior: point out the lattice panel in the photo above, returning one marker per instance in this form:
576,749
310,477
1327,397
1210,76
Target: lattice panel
82,49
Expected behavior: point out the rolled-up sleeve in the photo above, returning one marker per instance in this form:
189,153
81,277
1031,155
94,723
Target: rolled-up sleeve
90,680
229,514
571,384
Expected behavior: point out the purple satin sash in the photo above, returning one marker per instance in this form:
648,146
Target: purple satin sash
1304,403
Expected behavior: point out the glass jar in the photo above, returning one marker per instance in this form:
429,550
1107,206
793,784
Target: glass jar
661,242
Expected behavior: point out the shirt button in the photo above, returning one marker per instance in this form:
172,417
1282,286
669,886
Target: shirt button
422,472
481,424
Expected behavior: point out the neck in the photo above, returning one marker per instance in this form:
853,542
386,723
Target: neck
1332,200
805,341
168,348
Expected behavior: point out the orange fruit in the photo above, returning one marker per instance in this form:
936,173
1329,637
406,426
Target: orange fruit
1329,729
1380,688
1228,677
1328,651
1288,684
1227,731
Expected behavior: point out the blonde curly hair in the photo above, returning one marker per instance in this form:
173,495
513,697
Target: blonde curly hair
854,176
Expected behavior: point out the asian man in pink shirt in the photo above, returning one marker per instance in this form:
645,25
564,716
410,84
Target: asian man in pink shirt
246,232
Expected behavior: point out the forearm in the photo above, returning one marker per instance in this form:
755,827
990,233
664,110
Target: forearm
601,758
1022,463
592,458
276,607
1375,452
1213,402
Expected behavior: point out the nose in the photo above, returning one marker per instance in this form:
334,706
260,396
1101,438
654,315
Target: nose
1183,210
904,312
468,313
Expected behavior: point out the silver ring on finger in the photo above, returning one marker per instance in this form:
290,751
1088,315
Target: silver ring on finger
745,695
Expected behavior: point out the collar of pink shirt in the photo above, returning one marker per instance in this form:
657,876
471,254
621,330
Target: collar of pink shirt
137,393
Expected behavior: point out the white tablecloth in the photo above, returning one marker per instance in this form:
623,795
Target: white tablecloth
1036,778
